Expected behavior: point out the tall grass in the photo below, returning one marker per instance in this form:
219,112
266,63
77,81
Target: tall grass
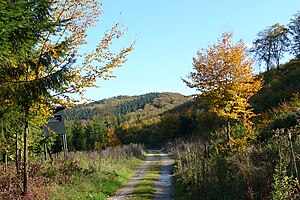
125,151
83,175
260,171
99,173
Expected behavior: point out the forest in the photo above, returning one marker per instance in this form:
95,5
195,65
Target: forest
236,138
256,156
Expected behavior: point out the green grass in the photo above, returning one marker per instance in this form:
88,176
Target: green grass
145,189
97,180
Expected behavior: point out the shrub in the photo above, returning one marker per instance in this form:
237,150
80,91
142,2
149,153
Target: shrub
284,186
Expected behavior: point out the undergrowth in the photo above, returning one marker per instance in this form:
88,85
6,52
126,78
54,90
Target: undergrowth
83,175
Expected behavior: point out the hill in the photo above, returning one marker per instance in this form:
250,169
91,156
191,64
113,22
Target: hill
156,117
281,87
140,106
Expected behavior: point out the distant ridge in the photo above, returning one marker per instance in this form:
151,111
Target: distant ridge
146,105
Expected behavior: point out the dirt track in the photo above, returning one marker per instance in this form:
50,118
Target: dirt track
163,186
164,189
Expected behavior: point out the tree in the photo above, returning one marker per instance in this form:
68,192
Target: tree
225,79
99,135
294,27
79,138
10,126
40,42
22,24
271,44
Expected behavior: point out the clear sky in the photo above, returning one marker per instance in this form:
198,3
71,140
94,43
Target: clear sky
169,33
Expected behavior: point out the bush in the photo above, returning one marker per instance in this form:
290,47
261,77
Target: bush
204,173
284,186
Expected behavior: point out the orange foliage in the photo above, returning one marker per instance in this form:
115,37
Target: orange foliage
225,79
112,138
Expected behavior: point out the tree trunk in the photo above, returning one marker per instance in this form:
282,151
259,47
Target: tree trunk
4,157
269,59
17,153
45,151
25,154
228,130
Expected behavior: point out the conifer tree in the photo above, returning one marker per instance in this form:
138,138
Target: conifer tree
40,41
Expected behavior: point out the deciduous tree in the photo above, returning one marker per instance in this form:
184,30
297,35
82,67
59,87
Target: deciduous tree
271,44
223,74
294,27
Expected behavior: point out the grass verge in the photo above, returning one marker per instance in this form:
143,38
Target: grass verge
91,175
101,183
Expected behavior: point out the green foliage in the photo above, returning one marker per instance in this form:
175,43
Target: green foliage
271,44
22,23
284,186
282,117
92,175
10,124
79,139
84,175
294,27
91,136
281,87
149,104
136,104
207,122
147,120
205,174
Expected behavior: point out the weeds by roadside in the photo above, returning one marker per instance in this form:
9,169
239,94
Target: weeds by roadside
260,171
83,175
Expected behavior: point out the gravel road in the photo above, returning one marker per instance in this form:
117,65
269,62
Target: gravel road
164,183
164,189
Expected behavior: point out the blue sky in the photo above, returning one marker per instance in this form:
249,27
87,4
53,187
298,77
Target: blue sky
169,33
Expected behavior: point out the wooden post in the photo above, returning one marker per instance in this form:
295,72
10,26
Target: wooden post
17,153
65,144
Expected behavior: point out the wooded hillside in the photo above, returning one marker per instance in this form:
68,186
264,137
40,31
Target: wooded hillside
143,106
121,119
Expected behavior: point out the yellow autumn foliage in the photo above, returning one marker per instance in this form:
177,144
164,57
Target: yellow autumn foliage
224,76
